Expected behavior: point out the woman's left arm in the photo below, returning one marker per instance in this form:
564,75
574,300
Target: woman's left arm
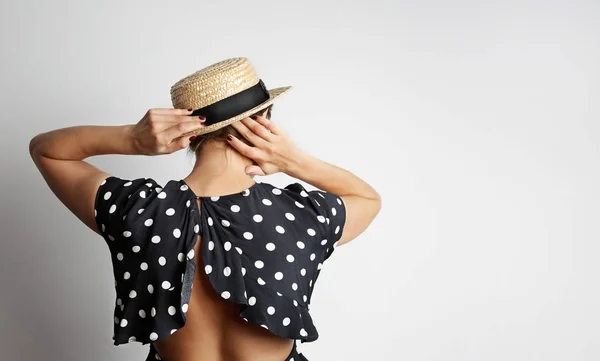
59,154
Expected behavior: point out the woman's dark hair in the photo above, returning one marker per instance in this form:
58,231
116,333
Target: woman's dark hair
221,134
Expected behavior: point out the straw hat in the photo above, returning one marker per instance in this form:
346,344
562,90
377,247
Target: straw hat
224,92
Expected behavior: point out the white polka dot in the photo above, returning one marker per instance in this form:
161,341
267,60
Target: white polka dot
243,271
191,254
303,193
278,276
246,192
143,194
298,204
170,212
333,211
120,256
103,228
196,228
154,336
103,182
295,303
208,269
162,195
148,222
271,310
172,332
227,271
136,249
111,237
162,261
210,221
180,257
270,246
127,234
150,288
267,202
286,321
214,199
155,239
211,245
142,313
260,281
323,242
290,216
166,285
312,256
107,195
300,244
188,203
289,258
304,298
227,245
257,218
248,235
252,301
294,286
126,275
303,333
303,272
119,301
112,209
132,294
176,233
239,250
225,223
184,187
144,266
184,308
172,310
225,295
140,210
276,191
280,229
259,264
235,208
337,229
321,219
311,232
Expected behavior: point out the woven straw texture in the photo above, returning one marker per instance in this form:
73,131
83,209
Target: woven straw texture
217,82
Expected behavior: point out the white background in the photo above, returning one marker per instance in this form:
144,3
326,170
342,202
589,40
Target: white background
477,121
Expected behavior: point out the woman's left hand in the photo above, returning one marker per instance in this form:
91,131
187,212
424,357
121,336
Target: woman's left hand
160,131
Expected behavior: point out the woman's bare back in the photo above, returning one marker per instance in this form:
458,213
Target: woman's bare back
214,330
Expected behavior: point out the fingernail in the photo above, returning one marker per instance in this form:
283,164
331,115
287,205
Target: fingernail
189,110
253,117
229,137
192,138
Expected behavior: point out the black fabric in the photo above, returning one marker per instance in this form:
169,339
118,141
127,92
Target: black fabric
235,104
262,249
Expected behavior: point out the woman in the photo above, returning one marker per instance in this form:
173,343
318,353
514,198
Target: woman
251,252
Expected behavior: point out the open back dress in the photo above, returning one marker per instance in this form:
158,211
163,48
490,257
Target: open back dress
262,248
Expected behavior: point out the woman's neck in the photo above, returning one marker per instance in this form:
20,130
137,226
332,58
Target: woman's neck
219,170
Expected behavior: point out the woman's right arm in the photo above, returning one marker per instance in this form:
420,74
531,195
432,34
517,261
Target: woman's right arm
273,152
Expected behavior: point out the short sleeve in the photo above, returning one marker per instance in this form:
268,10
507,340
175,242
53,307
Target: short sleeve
115,198
329,212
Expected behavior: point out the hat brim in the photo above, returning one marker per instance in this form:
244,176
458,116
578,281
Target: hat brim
273,95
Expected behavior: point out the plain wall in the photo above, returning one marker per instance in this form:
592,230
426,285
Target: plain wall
477,121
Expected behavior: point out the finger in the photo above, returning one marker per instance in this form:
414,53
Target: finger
178,144
272,127
173,111
258,129
170,118
254,170
243,148
249,134
179,129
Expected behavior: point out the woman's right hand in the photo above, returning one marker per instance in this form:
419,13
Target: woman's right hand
160,131
273,150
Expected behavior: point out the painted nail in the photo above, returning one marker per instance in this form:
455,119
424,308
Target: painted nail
229,137
192,138
189,110
202,117
253,117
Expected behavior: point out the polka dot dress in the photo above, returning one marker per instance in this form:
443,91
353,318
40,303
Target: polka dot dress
262,248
